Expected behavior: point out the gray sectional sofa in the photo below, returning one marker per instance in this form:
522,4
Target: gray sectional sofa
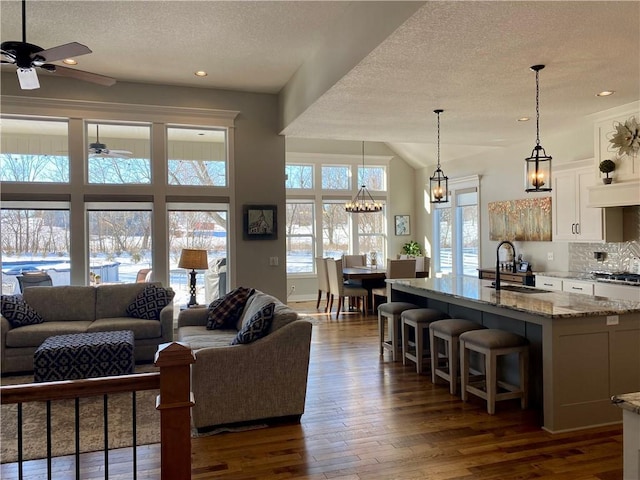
247,383
79,309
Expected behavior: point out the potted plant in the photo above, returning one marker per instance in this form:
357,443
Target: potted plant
606,167
412,248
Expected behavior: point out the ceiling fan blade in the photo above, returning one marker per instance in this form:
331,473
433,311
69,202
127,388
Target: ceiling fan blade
28,78
86,76
68,50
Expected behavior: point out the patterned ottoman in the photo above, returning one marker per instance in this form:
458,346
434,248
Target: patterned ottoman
84,355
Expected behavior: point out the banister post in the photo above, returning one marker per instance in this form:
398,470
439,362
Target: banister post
174,402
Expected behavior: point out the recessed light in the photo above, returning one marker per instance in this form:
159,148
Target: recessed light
200,73
605,93
524,119
69,61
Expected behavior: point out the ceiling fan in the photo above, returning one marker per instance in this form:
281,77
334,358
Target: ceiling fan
98,149
27,57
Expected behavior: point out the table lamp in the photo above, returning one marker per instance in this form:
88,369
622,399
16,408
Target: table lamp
195,260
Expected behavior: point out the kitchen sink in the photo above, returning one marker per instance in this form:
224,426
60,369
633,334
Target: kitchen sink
519,289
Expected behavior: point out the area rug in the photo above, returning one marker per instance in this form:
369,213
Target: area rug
91,424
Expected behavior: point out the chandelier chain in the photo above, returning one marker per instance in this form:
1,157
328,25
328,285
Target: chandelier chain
438,140
537,107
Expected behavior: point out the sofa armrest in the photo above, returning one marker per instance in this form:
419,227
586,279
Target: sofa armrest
192,317
263,379
166,323
5,326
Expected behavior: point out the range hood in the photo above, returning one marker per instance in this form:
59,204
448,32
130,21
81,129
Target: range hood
621,194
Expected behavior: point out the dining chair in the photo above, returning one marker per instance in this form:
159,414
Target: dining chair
39,279
338,289
323,281
405,268
354,260
422,264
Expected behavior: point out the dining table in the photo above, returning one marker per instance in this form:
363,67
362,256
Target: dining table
369,276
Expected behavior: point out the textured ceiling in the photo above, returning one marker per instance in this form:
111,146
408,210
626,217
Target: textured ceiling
469,58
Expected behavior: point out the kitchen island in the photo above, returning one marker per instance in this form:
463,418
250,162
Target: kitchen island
583,349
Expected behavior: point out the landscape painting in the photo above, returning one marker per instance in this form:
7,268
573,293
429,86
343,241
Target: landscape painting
527,219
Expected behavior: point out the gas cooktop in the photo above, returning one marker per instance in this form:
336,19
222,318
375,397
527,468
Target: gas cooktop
623,278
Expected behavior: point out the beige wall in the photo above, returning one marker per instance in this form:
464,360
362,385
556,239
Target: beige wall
259,157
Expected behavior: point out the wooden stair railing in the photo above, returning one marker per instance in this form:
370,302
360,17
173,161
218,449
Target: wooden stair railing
173,402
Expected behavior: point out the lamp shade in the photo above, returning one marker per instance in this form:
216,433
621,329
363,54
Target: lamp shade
193,259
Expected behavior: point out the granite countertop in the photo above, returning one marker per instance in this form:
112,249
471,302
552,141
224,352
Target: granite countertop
550,304
628,401
568,275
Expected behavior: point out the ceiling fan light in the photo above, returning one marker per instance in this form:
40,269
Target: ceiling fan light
201,73
69,61
28,78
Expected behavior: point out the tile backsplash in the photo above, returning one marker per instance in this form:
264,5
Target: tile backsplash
618,256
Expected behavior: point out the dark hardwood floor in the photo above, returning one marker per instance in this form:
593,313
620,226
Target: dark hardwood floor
369,418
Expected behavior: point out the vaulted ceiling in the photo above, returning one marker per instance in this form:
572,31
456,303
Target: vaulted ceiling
366,70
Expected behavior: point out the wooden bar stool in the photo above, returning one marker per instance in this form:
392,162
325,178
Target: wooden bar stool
493,343
391,311
447,333
418,319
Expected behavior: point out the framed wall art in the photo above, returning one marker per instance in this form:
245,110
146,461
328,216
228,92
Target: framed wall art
403,227
260,222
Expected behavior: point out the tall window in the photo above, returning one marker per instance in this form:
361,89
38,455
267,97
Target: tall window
118,154
300,235
336,230
197,156
456,232
34,239
201,227
371,235
34,150
120,242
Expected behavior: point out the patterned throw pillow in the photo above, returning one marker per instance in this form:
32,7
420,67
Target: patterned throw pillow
257,327
149,302
224,312
18,312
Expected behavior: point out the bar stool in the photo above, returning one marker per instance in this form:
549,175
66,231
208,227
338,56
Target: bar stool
418,319
448,331
391,311
493,343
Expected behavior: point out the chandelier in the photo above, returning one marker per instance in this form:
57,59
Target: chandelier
439,182
538,166
363,202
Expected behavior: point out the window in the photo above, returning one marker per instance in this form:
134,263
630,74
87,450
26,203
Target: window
34,150
299,177
336,230
300,236
372,236
119,154
120,242
455,230
197,156
34,239
373,177
202,227
335,177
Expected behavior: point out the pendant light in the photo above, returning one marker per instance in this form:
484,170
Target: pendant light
363,202
538,165
439,182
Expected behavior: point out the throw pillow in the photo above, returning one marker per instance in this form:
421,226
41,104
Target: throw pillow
18,312
149,302
225,312
257,327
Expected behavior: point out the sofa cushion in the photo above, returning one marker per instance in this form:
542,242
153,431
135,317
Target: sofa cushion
282,315
149,302
34,335
257,327
141,328
18,312
198,337
224,312
64,303
113,300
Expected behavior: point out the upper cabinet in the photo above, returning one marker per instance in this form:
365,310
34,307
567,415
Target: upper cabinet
572,219
625,189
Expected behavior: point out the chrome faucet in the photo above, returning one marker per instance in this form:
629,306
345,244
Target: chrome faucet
497,283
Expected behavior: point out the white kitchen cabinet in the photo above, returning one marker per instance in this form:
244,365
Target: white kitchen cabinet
548,283
577,286
622,292
572,220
